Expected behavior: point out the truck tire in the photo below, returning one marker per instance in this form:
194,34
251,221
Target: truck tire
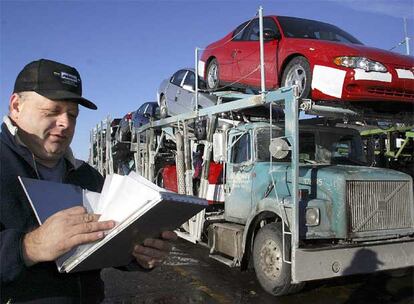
273,274
200,129
298,72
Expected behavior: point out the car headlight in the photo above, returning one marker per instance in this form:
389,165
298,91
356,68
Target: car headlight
360,63
312,216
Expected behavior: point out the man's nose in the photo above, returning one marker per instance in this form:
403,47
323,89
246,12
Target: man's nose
64,120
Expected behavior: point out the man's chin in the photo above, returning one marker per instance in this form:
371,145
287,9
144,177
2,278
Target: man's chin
53,153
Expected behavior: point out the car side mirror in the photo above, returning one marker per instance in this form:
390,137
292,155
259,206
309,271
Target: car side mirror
270,35
188,87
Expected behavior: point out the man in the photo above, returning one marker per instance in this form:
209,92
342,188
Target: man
34,142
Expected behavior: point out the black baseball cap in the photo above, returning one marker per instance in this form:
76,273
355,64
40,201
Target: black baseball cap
52,80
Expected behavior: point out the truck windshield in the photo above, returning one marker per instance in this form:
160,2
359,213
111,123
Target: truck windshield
310,29
339,146
318,146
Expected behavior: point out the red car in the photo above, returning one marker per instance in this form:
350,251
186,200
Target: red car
326,63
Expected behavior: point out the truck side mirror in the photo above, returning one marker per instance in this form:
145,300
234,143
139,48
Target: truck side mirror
219,147
279,148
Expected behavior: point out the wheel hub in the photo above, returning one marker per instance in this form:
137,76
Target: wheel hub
163,108
296,76
212,76
271,259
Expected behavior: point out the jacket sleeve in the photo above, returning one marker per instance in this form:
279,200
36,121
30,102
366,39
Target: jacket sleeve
16,219
11,258
16,215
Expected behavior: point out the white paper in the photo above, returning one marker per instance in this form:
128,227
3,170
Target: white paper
201,67
144,181
405,74
374,76
91,200
107,184
328,80
125,195
112,186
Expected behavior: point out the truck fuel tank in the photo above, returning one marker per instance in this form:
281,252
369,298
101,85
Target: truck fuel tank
226,238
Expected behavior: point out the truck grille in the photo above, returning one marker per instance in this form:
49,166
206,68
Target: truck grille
378,205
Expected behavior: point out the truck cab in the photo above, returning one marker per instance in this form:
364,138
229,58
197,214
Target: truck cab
343,202
332,175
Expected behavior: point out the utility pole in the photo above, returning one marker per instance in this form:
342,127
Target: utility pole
407,39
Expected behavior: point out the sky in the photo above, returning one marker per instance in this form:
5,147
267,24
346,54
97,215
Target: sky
124,49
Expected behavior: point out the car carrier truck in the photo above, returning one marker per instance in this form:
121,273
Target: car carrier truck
295,200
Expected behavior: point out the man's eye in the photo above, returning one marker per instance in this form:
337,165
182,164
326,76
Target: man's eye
73,115
52,113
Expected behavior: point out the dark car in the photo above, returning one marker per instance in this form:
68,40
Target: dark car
124,129
143,115
133,120
325,62
114,126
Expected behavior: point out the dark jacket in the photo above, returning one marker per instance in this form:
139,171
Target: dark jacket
41,283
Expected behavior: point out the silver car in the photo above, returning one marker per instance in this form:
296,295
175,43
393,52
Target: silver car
176,95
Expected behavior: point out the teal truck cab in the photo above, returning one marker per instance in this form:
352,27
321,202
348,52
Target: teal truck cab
352,218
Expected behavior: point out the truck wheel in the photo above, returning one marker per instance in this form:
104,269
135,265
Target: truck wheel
212,75
200,129
272,273
298,72
163,107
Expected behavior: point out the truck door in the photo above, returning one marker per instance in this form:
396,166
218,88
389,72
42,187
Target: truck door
238,196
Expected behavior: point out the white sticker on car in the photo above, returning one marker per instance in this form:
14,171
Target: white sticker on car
328,80
406,74
374,76
201,66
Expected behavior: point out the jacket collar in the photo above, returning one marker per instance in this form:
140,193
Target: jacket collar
12,139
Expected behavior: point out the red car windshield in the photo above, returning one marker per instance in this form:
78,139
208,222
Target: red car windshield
310,29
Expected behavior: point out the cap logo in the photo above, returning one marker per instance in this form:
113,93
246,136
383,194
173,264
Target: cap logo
68,78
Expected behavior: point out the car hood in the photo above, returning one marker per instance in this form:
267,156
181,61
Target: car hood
348,49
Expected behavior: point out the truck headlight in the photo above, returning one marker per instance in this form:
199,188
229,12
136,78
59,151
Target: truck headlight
360,63
312,216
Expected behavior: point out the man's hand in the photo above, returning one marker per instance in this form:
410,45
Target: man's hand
61,232
153,251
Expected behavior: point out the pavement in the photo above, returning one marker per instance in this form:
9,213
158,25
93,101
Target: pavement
190,276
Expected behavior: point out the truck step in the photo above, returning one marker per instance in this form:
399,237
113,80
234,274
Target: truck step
224,260
186,236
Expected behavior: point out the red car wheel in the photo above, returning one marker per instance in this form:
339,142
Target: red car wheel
212,75
298,72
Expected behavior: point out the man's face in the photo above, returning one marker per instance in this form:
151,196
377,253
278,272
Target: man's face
46,127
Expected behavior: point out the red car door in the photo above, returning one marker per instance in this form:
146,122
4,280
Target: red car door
246,55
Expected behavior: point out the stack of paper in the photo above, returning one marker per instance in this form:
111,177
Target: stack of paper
140,209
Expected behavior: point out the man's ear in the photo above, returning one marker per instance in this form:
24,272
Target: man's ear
15,106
